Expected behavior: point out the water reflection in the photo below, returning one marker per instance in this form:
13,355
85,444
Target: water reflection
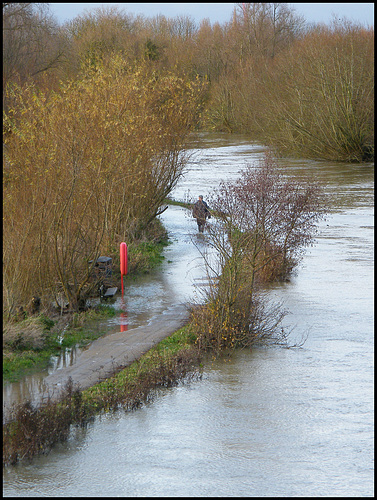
123,322
123,315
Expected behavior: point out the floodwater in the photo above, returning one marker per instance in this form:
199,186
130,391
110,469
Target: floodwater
267,422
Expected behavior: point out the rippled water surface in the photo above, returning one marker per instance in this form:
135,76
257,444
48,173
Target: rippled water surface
267,422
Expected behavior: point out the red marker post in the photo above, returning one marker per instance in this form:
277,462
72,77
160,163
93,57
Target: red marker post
123,261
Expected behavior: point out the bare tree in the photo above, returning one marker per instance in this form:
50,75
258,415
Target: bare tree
268,27
318,101
262,223
31,42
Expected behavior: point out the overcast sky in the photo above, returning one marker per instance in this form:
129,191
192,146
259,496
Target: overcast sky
222,12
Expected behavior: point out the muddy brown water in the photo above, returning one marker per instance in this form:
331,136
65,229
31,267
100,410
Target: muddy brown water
268,422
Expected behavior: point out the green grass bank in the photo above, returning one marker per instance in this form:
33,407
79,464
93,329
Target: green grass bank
29,344
32,431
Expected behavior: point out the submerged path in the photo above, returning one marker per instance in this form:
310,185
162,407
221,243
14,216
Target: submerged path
105,354
155,307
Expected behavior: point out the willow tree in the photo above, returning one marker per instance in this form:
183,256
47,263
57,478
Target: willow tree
85,168
319,98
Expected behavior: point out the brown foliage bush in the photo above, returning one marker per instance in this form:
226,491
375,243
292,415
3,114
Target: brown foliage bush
86,167
317,99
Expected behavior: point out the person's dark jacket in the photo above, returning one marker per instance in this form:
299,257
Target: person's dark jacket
201,211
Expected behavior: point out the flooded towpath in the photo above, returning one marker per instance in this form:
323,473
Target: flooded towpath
270,421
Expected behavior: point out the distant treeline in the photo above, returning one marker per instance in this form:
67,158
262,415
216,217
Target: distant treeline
303,89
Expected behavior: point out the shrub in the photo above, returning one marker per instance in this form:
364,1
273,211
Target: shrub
263,222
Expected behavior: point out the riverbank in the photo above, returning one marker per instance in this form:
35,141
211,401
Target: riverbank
157,360
275,421
33,431
106,357
29,344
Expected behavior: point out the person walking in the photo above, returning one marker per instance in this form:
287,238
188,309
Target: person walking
201,213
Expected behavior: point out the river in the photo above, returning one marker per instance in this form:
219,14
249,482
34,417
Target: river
267,422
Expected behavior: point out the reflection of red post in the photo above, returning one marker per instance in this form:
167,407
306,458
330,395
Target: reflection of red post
123,326
123,261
